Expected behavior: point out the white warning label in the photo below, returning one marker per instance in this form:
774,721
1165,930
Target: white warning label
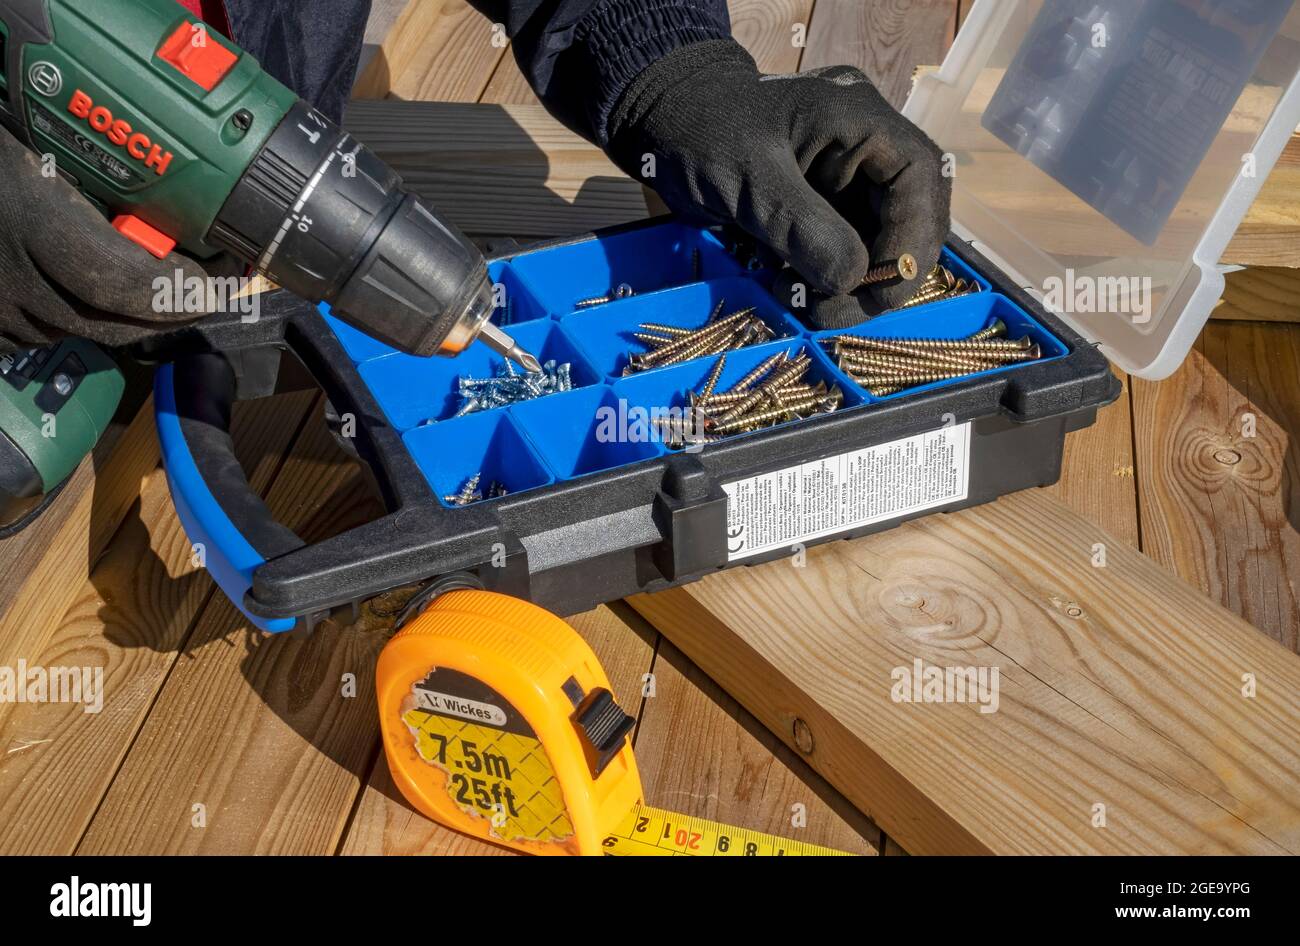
821,498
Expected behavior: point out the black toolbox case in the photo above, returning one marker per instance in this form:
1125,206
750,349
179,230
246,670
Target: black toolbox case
572,544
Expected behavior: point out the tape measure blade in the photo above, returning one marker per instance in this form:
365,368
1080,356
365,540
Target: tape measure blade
648,831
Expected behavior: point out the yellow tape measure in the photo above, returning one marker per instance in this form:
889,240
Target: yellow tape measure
498,721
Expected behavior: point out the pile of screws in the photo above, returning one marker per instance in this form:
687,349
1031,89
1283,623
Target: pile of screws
941,284
510,386
470,493
888,365
671,345
773,393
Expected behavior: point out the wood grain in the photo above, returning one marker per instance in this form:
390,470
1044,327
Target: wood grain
47,563
767,29
257,728
1120,686
384,15
1098,475
1260,294
702,755
130,618
438,50
508,85
495,169
886,39
1219,507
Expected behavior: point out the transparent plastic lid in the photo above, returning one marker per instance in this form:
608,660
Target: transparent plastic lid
1105,151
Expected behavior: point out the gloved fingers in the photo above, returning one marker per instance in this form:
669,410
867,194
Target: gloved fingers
48,313
76,249
819,311
914,199
778,206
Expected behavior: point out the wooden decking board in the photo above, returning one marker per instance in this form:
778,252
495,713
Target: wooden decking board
499,169
1098,479
886,39
701,754
131,617
1219,507
44,565
437,49
1261,294
256,727
1121,686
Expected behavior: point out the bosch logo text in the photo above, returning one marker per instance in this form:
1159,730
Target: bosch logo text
138,145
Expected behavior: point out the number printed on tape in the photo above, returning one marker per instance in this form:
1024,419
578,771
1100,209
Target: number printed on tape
821,498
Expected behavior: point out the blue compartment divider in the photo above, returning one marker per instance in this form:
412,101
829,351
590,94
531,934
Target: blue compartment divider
488,444
648,260
951,319
414,391
520,305
662,392
585,431
605,332
605,422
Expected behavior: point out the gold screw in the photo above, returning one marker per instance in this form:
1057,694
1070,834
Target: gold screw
672,331
714,375
904,268
694,338
856,359
761,371
908,380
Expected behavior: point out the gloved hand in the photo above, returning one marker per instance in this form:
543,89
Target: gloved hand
816,166
64,270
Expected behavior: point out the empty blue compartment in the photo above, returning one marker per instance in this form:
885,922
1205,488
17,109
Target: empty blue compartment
584,431
488,444
518,305
413,391
666,392
647,259
952,319
605,333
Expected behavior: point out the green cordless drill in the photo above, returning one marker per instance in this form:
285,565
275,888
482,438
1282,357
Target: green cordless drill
183,141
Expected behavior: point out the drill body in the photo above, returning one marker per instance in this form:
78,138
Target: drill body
184,141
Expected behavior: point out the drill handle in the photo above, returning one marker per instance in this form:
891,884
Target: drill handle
270,573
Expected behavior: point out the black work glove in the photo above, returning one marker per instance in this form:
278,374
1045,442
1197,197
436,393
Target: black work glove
816,166
64,270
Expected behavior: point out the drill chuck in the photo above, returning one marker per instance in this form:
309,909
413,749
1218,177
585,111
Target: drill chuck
324,217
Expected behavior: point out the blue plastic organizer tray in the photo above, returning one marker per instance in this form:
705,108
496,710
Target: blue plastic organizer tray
679,274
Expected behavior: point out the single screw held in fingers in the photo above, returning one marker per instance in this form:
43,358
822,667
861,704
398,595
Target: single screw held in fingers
903,268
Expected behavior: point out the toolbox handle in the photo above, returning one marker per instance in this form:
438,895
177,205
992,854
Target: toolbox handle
232,530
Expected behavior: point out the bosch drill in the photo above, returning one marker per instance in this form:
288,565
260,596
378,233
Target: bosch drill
184,141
